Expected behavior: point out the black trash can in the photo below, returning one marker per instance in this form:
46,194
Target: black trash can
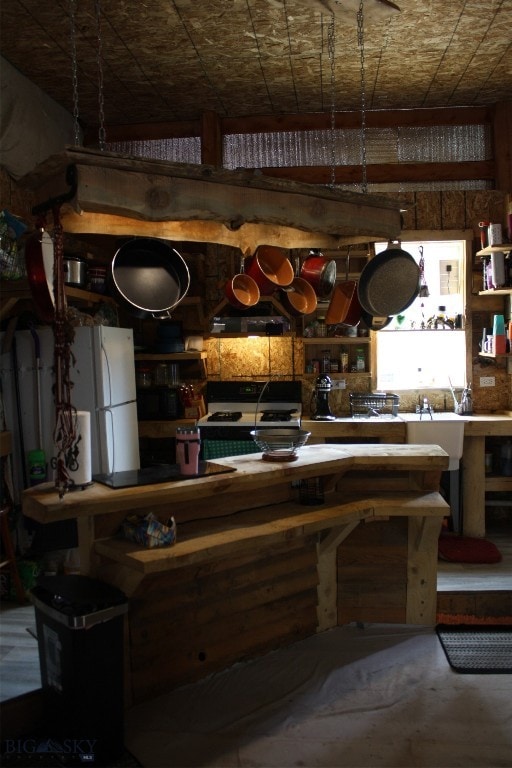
79,623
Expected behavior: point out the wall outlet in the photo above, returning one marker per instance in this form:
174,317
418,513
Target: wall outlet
338,384
487,381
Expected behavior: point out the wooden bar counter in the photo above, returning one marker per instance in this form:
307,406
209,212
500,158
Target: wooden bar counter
253,568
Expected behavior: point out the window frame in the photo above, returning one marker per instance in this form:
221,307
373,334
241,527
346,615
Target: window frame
419,236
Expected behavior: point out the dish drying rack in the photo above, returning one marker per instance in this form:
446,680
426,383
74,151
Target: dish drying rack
364,405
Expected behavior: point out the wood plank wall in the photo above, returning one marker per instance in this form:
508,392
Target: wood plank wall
210,617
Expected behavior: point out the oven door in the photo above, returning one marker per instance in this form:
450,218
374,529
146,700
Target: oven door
219,440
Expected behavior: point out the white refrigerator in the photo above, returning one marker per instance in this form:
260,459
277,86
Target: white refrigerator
103,377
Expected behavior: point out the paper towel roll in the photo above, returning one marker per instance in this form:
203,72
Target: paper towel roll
83,473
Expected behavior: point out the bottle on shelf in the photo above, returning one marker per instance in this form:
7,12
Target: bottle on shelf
360,360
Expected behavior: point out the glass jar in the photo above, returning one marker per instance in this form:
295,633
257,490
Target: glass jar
143,377
161,374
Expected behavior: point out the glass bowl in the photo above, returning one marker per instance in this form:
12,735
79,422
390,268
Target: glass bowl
280,444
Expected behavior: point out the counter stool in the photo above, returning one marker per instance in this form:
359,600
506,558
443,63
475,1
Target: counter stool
9,555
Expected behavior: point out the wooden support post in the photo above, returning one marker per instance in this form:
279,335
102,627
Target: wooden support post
422,570
473,486
327,575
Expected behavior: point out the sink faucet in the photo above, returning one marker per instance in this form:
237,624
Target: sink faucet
426,408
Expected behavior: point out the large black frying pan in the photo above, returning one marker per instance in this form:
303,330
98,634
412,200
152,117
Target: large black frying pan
389,283
149,277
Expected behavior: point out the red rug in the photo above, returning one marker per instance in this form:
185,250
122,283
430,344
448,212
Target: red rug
464,549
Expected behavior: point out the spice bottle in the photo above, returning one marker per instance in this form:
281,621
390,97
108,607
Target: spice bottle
360,361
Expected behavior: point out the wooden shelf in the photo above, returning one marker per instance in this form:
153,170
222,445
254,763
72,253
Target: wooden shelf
326,340
490,356
19,290
496,292
504,248
176,357
498,483
246,334
172,356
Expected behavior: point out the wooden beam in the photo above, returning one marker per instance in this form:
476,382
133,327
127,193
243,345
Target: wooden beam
211,139
503,146
145,132
382,173
309,121
316,121
243,207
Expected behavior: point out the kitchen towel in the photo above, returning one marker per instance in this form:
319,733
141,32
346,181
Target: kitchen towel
82,474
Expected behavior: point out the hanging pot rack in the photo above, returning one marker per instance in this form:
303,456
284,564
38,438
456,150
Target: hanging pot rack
119,195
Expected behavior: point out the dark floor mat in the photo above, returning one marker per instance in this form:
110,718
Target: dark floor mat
477,649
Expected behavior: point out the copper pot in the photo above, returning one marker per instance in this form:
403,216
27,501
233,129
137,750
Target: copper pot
344,306
300,298
320,272
242,291
271,268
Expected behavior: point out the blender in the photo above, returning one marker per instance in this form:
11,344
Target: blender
320,399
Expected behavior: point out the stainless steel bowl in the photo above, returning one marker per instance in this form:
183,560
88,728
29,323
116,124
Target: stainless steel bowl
280,444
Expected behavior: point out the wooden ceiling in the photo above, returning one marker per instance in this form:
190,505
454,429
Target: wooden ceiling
172,60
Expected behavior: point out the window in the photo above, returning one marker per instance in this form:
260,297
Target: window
425,347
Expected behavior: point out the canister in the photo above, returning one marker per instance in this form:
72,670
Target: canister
498,269
495,234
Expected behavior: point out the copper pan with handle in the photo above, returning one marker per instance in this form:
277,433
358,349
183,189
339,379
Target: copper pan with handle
320,272
299,298
344,307
242,291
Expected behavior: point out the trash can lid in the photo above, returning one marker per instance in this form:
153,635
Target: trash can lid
76,595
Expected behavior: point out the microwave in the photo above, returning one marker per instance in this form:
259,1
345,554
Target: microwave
159,404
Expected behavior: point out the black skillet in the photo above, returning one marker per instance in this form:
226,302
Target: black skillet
389,283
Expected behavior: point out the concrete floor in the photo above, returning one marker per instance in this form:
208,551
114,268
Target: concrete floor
371,696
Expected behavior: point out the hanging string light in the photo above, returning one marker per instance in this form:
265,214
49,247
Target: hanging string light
360,42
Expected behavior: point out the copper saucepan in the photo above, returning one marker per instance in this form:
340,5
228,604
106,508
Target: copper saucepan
344,307
271,268
242,291
299,298
320,272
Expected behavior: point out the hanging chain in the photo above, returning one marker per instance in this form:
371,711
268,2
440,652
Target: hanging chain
101,103
360,42
74,70
331,50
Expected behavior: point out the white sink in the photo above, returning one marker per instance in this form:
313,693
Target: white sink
444,429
